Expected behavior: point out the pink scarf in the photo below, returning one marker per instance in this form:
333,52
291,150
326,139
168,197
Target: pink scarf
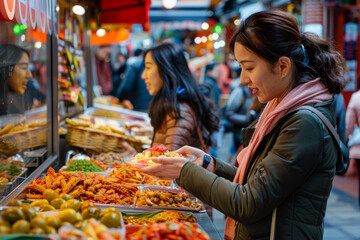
304,94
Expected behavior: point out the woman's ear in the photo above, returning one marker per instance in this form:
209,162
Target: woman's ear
285,66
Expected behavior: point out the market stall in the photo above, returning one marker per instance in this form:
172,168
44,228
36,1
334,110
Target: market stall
60,154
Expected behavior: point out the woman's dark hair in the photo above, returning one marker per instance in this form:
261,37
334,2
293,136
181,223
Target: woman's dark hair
274,33
175,73
10,55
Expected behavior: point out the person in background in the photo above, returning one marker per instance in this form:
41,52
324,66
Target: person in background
211,75
132,87
118,72
352,120
289,159
14,77
103,69
225,77
177,100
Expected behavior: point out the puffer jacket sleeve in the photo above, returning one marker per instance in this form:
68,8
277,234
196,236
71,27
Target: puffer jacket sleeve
287,165
178,132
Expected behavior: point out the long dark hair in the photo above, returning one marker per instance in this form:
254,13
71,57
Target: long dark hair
10,55
176,75
274,33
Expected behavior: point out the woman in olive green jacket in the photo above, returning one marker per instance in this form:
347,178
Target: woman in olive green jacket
290,160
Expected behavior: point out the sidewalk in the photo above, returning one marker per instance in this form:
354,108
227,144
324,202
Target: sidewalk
342,218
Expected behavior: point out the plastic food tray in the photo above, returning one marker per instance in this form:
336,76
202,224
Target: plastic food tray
105,173
152,208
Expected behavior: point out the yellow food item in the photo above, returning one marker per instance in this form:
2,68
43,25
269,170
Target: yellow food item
49,194
21,226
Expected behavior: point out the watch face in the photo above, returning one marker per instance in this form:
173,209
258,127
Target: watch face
207,160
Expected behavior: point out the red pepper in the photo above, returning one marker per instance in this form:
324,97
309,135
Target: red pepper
157,148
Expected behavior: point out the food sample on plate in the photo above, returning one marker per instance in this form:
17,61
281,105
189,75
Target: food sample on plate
157,217
168,230
92,187
129,174
144,159
158,198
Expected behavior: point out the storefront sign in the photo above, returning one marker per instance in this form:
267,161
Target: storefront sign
35,13
21,11
41,19
7,9
32,14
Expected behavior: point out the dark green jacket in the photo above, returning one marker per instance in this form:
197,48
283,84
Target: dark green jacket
292,170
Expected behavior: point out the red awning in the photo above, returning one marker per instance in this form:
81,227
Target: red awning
125,11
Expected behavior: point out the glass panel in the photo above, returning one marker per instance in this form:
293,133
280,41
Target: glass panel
72,77
23,106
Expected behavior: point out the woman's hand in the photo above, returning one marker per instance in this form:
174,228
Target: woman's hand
188,151
170,167
166,167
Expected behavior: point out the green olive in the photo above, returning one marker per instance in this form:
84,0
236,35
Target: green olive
86,204
47,208
56,203
38,222
12,214
65,196
4,229
15,203
110,209
111,219
50,230
39,203
21,226
68,215
37,231
28,210
91,212
54,222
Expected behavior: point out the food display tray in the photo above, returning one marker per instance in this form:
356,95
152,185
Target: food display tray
152,208
105,173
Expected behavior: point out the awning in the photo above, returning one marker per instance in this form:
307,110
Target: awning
128,11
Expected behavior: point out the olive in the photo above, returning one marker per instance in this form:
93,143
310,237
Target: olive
47,208
54,222
65,196
111,219
50,230
39,203
38,222
21,226
110,209
49,194
28,210
56,203
43,215
4,229
86,204
4,222
37,231
12,214
68,215
71,203
15,203
91,212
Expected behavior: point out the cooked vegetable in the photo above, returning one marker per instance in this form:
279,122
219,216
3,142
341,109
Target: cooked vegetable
83,166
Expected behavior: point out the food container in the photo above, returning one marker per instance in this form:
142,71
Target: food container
105,173
6,188
173,191
147,160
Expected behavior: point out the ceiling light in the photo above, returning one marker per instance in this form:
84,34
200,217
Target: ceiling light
169,3
78,10
100,32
